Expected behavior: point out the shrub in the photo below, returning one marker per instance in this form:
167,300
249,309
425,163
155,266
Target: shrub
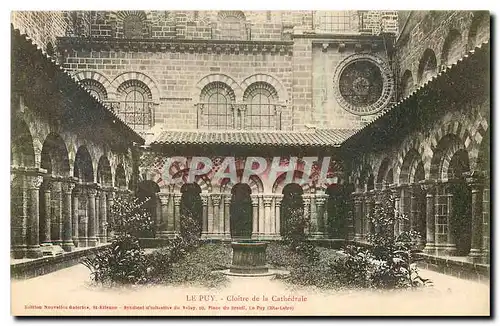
130,217
123,262
295,237
351,268
389,261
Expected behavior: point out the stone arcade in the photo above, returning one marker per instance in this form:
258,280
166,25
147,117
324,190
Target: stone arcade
398,100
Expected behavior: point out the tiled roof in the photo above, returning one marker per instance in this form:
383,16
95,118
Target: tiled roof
315,138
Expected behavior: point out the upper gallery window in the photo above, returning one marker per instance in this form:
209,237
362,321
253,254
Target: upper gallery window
334,21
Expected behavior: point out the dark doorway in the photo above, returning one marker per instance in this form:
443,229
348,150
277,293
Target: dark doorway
336,211
241,211
191,204
292,200
461,223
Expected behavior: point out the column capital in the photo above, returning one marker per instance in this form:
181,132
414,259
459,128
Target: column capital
204,200
227,199
255,200
429,186
278,199
177,199
216,198
67,187
416,187
475,180
307,201
91,191
163,198
267,200
321,201
35,182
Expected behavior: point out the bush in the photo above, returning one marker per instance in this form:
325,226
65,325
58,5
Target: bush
352,267
130,217
389,261
124,262
295,237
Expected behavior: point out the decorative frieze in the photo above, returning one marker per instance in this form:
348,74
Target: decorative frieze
67,44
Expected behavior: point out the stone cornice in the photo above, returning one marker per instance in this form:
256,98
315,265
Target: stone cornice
66,44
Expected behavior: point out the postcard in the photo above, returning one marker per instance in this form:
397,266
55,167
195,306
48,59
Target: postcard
250,163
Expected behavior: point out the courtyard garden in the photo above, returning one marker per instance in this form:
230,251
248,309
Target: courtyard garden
388,262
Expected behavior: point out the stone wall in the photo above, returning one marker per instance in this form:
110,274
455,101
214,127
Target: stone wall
445,35
43,27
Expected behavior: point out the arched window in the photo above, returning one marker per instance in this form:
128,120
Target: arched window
427,67
132,26
406,83
217,111
232,25
334,21
452,48
135,106
95,88
261,112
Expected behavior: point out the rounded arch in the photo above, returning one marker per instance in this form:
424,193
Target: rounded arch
222,78
484,155
292,188
104,172
479,30
99,77
410,161
95,89
22,148
147,187
191,187
266,79
407,83
382,173
120,178
201,180
427,67
55,155
364,175
456,165
223,14
279,184
138,76
241,211
452,48
254,183
83,168
442,154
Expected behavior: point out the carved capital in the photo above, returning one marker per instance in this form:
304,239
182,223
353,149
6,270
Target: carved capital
428,186
255,201
321,201
204,200
91,191
67,187
215,200
163,198
278,200
267,201
177,199
227,200
35,182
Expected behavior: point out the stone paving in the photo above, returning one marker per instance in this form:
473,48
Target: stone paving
68,291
